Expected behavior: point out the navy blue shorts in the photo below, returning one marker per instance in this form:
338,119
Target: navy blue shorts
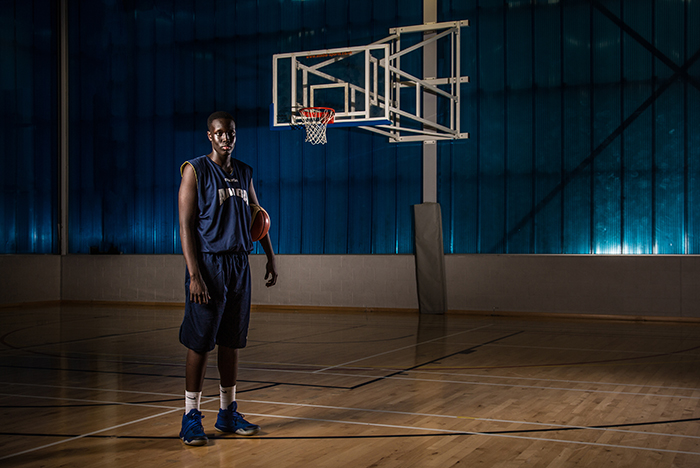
225,319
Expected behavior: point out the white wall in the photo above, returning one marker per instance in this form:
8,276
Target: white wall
659,286
358,281
29,278
656,286
375,281
123,278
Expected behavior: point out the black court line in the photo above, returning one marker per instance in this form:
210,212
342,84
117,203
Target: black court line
123,403
269,384
292,341
335,387
3,339
463,351
170,376
583,363
370,436
382,340
248,390
253,343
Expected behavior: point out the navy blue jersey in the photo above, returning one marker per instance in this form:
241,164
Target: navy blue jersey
223,224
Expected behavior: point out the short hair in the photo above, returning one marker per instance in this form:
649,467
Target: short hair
218,115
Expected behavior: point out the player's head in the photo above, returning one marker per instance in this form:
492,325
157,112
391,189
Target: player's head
222,133
218,115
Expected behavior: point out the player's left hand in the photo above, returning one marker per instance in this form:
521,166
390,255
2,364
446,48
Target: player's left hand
271,273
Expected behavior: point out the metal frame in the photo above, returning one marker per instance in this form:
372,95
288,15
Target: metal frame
393,123
345,116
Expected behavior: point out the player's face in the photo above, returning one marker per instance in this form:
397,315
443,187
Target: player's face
222,135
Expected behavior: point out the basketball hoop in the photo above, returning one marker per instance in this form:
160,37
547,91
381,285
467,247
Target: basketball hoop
315,120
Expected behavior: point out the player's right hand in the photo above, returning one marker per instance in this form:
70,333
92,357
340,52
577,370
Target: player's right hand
199,294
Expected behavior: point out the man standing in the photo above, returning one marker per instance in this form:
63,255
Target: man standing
213,202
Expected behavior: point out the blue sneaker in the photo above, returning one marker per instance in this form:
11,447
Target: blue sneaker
192,432
231,421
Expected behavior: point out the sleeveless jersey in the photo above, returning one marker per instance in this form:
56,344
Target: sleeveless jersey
223,224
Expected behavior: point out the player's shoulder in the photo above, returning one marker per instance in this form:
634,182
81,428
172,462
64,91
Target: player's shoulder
195,163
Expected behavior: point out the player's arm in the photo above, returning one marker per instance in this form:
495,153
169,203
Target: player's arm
271,268
188,209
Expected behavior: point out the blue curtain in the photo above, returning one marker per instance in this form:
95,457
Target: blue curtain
28,127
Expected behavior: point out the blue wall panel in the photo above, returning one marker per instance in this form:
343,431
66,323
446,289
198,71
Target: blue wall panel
607,117
596,154
519,122
28,127
583,117
174,62
692,137
547,128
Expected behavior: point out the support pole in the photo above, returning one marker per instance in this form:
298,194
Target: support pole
429,105
430,254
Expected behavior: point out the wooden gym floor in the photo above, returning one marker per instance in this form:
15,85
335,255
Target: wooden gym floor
104,386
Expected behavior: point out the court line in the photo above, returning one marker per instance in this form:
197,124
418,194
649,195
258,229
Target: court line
374,378
152,374
587,350
587,382
438,371
408,369
86,356
82,436
437,433
507,436
553,426
3,338
91,389
358,423
121,403
462,382
402,348
548,425
467,382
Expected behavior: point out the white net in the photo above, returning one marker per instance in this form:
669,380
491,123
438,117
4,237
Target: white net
315,119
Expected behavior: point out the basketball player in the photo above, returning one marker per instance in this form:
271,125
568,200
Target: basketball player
213,201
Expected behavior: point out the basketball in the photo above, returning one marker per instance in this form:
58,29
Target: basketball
259,222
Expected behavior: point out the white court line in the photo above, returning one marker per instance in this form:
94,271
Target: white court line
102,402
464,418
487,384
336,421
587,382
82,436
437,371
461,382
391,426
401,349
592,350
87,434
448,431
304,405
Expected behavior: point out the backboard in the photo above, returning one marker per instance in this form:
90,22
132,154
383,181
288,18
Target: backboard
372,88
348,80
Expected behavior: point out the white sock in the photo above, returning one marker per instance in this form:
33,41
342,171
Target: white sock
227,395
192,400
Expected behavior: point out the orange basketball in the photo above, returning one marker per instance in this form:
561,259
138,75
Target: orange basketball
259,222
